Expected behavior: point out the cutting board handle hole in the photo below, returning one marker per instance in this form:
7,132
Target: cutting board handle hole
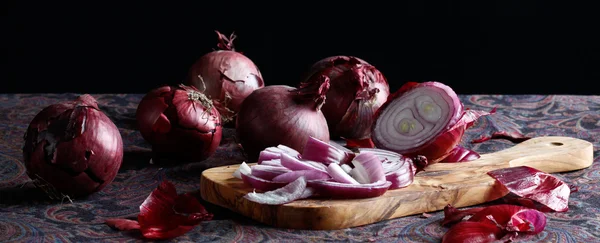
556,143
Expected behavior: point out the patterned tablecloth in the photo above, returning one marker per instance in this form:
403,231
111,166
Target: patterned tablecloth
27,215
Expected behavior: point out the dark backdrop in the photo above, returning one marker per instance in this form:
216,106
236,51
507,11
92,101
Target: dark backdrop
516,48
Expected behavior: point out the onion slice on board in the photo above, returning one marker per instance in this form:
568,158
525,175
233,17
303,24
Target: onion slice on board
339,175
289,193
368,168
326,153
244,168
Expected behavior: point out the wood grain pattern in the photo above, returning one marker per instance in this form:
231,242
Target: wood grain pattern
459,184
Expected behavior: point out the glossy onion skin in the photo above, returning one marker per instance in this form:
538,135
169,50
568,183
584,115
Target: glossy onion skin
440,144
357,91
74,147
228,77
271,116
179,129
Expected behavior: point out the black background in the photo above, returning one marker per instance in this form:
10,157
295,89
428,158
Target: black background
525,47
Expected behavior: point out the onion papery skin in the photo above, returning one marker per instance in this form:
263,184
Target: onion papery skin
280,114
434,145
357,91
73,147
226,76
180,123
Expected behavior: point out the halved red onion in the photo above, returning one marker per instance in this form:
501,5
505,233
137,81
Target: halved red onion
268,172
261,184
309,175
422,119
289,193
339,175
332,189
461,154
368,168
244,168
326,153
293,163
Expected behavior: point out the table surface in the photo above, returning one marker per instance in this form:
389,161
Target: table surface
28,215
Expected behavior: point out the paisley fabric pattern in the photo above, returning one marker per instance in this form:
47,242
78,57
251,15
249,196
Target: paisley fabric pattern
28,215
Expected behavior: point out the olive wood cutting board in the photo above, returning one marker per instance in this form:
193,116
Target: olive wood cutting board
460,184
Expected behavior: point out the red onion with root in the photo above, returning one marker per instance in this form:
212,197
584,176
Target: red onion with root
357,90
72,148
180,123
227,75
282,115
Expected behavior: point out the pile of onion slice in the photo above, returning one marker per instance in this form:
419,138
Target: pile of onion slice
325,170
422,119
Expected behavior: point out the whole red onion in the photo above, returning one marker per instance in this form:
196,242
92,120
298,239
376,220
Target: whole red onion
225,76
282,115
357,90
72,148
180,123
